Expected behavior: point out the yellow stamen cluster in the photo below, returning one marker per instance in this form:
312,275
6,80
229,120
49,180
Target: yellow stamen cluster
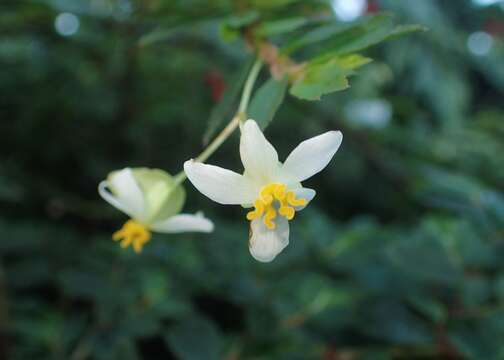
132,233
274,198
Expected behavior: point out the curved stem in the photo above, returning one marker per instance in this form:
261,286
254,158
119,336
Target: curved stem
217,142
237,120
247,89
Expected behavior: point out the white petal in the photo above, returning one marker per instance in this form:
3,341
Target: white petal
111,199
312,155
304,193
221,185
183,223
123,185
258,156
265,244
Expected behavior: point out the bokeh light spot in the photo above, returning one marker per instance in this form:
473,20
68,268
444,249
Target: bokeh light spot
349,10
479,43
370,113
66,24
486,2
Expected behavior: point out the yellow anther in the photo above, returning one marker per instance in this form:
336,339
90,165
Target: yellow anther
266,196
291,200
257,212
279,192
132,233
127,240
274,198
287,212
268,218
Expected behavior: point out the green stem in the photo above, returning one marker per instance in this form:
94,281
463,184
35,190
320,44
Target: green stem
247,89
217,142
238,119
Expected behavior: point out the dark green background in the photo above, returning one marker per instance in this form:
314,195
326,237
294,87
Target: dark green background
400,255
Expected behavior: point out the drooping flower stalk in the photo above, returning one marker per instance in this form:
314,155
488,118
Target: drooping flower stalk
238,119
127,191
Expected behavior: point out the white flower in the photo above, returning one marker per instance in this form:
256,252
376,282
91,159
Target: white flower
272,188
153,200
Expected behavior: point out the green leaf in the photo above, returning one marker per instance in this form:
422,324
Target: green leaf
318,34
476,290
156,35
267,100
324,76
223,107
499,287
432,262
271,4
475,338
372,31
406,29
229,29
241,20
194,339
227,33
404,328
375,355
115,347
278,27
349,38
429,307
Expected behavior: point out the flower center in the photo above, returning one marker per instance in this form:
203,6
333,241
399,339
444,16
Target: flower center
273,199
132,233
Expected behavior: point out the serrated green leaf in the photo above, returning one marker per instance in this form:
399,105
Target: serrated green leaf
267,100
324,76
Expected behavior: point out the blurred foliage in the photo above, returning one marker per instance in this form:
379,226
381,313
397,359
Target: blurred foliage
400,255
